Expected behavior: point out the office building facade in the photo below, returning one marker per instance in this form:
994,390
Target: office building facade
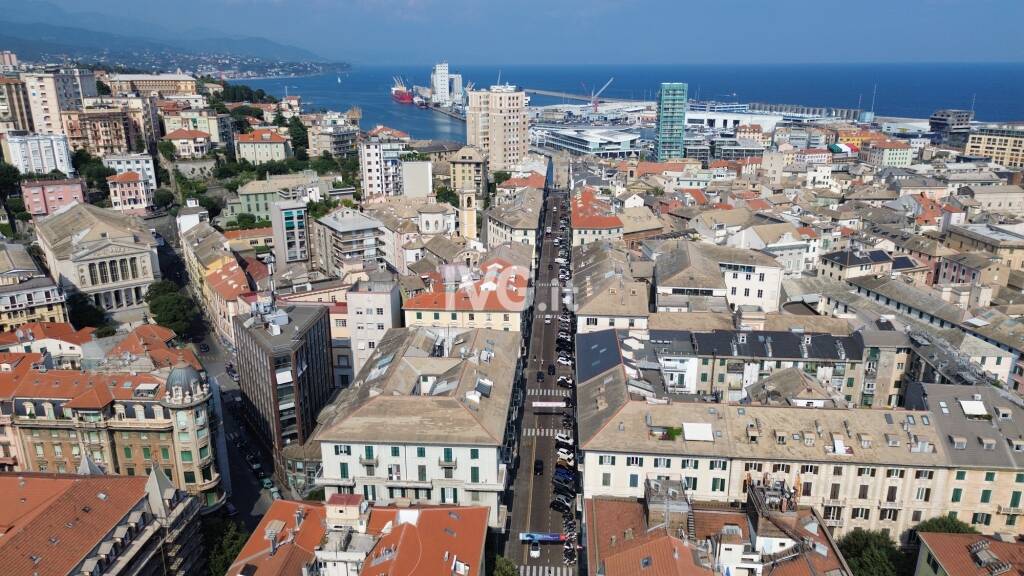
671,129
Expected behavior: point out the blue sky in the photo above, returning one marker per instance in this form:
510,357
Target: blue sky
607,31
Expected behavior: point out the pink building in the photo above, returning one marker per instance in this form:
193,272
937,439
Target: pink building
43,197
129,193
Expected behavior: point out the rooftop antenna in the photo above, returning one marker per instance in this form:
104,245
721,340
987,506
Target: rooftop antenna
874,92
860,98
974,99
499,77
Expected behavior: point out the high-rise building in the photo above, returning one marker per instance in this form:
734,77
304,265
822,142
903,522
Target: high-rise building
952,126
1004,144
380,163
37,153
15,110
291,239
455,91
374,307
496,123
55,91
345,238
284,363
671,131
440,91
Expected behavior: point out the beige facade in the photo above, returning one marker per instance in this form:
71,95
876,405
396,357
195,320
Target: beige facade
469,170
101,131
1004,240
153,84
1004,144
55,91
218,126
496,123
262,145
15,110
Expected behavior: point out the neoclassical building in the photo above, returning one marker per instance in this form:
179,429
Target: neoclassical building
109,257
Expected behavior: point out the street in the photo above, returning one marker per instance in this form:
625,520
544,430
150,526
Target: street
530,511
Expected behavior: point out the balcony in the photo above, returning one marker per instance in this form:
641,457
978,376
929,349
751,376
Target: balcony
368,461
453,463
399,482
833,501
889,505
834,522
1011,510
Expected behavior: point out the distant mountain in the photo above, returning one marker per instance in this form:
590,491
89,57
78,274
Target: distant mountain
31,26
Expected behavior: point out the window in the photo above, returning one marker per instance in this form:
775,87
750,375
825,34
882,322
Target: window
474,453
895,473
474,474
128,452
662,462
958,494
889,514
186,456
780,468
634,461
990,476
690,482
924,474
808,469
606,479
634,480
961,474
421,452
591,321
923,494
691,463
718,484
395,451
718,465
343,470
864,471
986,496
204,452
421,473
861,514
606,460
981,518
342,449
753,466
862,491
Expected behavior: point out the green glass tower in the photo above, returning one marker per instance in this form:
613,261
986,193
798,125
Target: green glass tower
671,133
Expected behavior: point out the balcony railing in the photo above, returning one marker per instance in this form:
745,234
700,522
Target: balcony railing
368,460
889,505
447,463
1011,510
833,501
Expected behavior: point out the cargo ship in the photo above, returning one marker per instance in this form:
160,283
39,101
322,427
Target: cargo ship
399,93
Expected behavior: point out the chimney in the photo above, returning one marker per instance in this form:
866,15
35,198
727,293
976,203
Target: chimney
300,514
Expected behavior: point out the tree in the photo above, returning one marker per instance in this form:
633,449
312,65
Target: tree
223,540
946,524
166,149
279,120
10,180
871,553
500,176
163,198
297,130
445,194
82,312
174,311
102,88
504,567
161,288
317,210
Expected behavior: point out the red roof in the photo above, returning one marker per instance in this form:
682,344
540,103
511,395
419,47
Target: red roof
427,540
249,233
698,195
296,545
645,168
807,231
590,213
154,342
758,204
18,365
255,268
385,131
952,551
533,180
339,499
83,390
261,136
502,288
183,134
129,176
229,281
41,330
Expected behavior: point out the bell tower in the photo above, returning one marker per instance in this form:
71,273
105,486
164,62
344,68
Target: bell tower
467,213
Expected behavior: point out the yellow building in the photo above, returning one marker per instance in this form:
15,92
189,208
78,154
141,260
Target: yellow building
1004,144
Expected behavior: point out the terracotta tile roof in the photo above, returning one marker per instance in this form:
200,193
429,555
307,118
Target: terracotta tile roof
183,134
255,268
129,176
155,342
533,180
339,499
758,204
261,136
698,195
385,131
229,282
645,168
427,540
608,521
587,212
87,390
249,233
656,554
290,556
890,144
41,330
807,231
43,516
502,288
953,553
17,364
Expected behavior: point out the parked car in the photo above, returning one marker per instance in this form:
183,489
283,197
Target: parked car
564,361
564,453
275,493
559,506
267,483
564,438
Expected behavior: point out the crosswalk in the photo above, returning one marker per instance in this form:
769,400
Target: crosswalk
547,392
547,570
543,431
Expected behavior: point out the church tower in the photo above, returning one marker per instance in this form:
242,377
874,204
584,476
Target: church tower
467,213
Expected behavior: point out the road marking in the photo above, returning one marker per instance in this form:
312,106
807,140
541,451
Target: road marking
546,571
546,432
547,392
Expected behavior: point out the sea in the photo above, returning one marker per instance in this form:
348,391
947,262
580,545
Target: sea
996,91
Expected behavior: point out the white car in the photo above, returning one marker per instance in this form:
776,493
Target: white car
547,319
564,361
563,438
534,549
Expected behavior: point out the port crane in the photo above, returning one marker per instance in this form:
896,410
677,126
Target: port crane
595,96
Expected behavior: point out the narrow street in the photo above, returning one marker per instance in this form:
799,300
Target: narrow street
531,511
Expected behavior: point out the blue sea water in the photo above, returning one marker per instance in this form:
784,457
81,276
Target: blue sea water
905,90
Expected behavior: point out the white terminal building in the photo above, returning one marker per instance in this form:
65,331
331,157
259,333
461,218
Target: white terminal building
603,142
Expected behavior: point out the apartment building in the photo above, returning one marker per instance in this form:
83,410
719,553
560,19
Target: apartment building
37,153
116,524
592,219
795,249
153,84
406,227
872,469
27,294
189,144
263,145
284,365
340,140
1004,144
45,196
289,222
257,196
468,170
1004,240
223,289
605,291
671,127
380,163
374,306
102,130
496,124
888,153
129,193
517,220
345,237
498,300
140,163
54,91
388,446
974,268
15,110
846,264
1007,198
142,113
219,127
109,257
123,423
204,249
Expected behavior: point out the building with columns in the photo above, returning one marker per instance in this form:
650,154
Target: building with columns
109,257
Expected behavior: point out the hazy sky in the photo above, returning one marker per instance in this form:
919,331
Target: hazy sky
608,31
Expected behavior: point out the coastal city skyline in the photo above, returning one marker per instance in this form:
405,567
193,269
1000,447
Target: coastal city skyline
468,288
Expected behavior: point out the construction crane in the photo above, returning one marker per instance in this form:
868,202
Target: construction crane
594,97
